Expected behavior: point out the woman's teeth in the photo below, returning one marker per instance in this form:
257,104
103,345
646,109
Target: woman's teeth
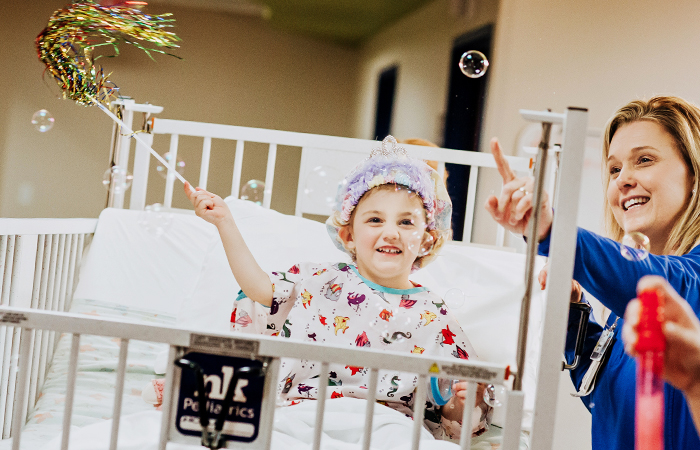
634,202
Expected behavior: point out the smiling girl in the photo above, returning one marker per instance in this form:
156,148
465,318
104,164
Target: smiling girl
392,215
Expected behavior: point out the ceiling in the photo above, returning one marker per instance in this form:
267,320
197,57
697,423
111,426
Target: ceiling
346,22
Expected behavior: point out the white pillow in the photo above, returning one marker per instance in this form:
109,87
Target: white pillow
129,264
277,241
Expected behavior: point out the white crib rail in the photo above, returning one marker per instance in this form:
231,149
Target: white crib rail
265,348
309,143
39,262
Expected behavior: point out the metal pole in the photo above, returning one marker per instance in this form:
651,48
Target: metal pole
115,145
532,241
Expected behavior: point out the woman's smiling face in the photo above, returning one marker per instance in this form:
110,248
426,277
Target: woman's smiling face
650,185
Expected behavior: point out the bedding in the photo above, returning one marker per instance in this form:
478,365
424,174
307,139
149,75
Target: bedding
96,376
343,426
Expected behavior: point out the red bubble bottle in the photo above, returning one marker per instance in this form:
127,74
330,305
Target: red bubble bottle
651,344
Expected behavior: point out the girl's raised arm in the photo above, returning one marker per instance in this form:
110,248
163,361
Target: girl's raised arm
253,281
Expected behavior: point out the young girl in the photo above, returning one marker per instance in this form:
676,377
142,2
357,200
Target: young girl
392,216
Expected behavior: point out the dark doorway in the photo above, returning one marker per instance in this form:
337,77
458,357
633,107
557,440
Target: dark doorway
463,119
385,102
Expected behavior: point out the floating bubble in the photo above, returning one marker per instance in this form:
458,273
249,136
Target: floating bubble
321,186
42,120
491,397
253,191
179,165
635,246
155,220
117,177
473,64
454,298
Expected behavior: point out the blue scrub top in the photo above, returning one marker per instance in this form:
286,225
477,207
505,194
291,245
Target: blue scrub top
602,271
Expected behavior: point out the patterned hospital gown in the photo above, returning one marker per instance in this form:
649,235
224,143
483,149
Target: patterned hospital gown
333,303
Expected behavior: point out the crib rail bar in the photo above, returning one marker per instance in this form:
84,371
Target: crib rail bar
471,201
514,413
22,386
369,412
266,346
170,178
70,389
27,227
232,132
237,167
118,393
321,405
204,169
465,437
419,410
269,175
168,394
142,163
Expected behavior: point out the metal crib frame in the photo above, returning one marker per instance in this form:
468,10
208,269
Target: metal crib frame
56,258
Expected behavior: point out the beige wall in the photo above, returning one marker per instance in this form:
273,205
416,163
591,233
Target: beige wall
420,44
235,71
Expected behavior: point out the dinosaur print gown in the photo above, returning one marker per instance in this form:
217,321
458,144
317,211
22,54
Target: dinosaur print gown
333,303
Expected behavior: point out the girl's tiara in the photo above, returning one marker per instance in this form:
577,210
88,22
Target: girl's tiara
390,164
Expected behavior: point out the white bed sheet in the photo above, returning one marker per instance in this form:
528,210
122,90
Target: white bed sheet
293,430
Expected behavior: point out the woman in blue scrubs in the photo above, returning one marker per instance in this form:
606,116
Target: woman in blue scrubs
651,161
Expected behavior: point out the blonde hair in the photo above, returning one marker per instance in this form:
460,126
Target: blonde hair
681,119
439,237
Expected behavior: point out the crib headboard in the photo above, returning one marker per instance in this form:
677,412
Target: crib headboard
337,154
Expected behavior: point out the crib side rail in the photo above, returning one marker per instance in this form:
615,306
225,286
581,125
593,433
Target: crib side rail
340,146
39,263
247,346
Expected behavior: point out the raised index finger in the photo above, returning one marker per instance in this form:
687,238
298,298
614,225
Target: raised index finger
501,163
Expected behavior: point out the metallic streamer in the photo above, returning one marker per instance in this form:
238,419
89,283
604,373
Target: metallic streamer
69,43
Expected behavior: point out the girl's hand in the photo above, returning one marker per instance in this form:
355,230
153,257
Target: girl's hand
208,206
682,331
513,208
576,289
454,408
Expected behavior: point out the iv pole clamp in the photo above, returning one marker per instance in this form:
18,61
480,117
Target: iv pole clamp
532,241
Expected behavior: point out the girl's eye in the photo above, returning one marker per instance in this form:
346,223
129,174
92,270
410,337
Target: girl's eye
407,222
614,170
644,160
374,220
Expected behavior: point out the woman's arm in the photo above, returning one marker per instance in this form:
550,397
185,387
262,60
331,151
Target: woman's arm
250,277
609,277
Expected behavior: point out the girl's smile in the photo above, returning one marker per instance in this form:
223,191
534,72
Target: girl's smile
386,234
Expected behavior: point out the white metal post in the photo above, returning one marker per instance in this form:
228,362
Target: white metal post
269,175
142,164
170,178
563,242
